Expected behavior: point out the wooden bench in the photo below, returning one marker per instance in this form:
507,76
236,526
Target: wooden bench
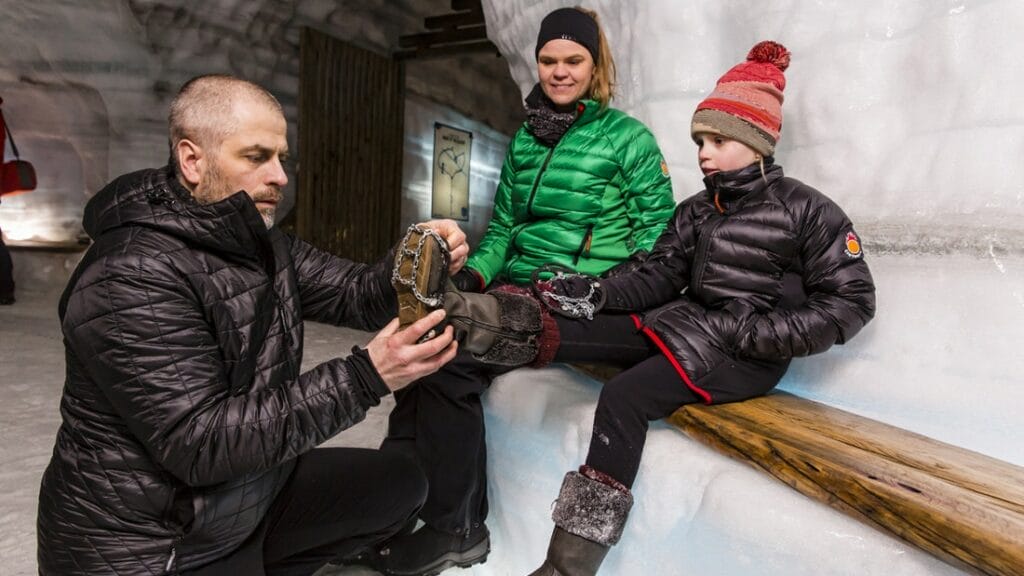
959,505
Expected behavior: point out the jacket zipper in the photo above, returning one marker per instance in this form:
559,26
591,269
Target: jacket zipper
702,249
536,181
584,249
289,341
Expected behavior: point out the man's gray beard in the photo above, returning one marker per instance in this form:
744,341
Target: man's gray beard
215,189
268,217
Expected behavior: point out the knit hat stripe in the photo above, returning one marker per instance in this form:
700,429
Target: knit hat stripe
734,127
746,104
752,72
766,96
761,119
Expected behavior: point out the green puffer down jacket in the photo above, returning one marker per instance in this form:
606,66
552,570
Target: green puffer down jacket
588,203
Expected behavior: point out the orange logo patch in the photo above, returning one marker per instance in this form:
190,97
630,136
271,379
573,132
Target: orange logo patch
853,245
664,168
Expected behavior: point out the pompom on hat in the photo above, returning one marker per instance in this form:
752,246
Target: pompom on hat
746,104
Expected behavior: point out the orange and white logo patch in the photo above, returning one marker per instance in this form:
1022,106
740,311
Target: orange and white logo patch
664,168
853,249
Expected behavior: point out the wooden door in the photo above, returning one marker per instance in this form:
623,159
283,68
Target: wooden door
351,112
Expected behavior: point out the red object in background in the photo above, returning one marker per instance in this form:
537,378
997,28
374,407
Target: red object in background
16,176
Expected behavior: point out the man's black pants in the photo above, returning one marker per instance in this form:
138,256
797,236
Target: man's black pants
337,501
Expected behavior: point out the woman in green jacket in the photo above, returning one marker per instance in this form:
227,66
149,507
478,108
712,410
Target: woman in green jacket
584,186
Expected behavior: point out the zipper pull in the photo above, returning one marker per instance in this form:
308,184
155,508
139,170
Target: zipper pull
170,561
584,249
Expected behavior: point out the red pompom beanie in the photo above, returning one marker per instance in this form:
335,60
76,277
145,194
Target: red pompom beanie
746,104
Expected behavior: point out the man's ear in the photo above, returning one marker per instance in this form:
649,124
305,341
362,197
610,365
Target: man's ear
191,161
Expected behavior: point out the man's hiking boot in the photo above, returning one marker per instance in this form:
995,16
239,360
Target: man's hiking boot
428,552
420,274
367,555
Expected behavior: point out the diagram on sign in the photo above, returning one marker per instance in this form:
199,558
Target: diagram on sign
450,192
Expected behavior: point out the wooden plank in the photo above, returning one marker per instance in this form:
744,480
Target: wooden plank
791,415
961,506
460,5
428,39
485,46
448,21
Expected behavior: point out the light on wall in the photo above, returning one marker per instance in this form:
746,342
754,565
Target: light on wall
39,225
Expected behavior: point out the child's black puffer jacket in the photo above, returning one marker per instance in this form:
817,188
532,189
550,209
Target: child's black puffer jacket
770,268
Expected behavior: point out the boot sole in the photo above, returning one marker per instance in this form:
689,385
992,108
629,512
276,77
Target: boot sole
427,276
475,555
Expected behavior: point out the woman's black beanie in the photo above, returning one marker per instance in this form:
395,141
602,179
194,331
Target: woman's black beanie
568,24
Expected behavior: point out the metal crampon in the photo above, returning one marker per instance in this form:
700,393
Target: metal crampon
420,273
584,306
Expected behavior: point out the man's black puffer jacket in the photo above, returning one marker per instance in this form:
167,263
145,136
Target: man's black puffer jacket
183,408
773,271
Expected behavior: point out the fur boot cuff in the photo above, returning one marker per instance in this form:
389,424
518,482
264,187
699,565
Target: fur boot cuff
591,509
521,325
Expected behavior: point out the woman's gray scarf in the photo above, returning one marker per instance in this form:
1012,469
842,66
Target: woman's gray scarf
546,124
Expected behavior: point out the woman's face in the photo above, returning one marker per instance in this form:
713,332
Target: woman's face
565,70
716,153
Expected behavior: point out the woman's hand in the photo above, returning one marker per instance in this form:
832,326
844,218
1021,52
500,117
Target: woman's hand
456,239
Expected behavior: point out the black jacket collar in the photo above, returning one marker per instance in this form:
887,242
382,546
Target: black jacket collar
154,198
734,185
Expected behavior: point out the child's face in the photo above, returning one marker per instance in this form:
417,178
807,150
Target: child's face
717,153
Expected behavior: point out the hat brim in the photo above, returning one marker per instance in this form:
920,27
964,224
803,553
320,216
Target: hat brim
717,122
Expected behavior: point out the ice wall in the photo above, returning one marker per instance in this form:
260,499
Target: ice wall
902,111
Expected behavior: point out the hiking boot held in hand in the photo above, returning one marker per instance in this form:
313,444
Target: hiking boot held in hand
420,274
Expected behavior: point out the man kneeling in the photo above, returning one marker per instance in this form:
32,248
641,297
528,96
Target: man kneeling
188,430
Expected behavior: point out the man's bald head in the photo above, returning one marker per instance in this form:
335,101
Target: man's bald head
204,109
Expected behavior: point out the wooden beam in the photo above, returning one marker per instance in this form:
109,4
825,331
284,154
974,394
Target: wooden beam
449,21
443,37
448,50
460,5
961,506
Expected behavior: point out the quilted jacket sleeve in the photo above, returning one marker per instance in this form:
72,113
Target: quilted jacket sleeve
490,256
648,188
140,335
839,287
341,292
664,273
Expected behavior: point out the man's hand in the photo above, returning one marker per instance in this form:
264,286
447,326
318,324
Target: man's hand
456,240
399,359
